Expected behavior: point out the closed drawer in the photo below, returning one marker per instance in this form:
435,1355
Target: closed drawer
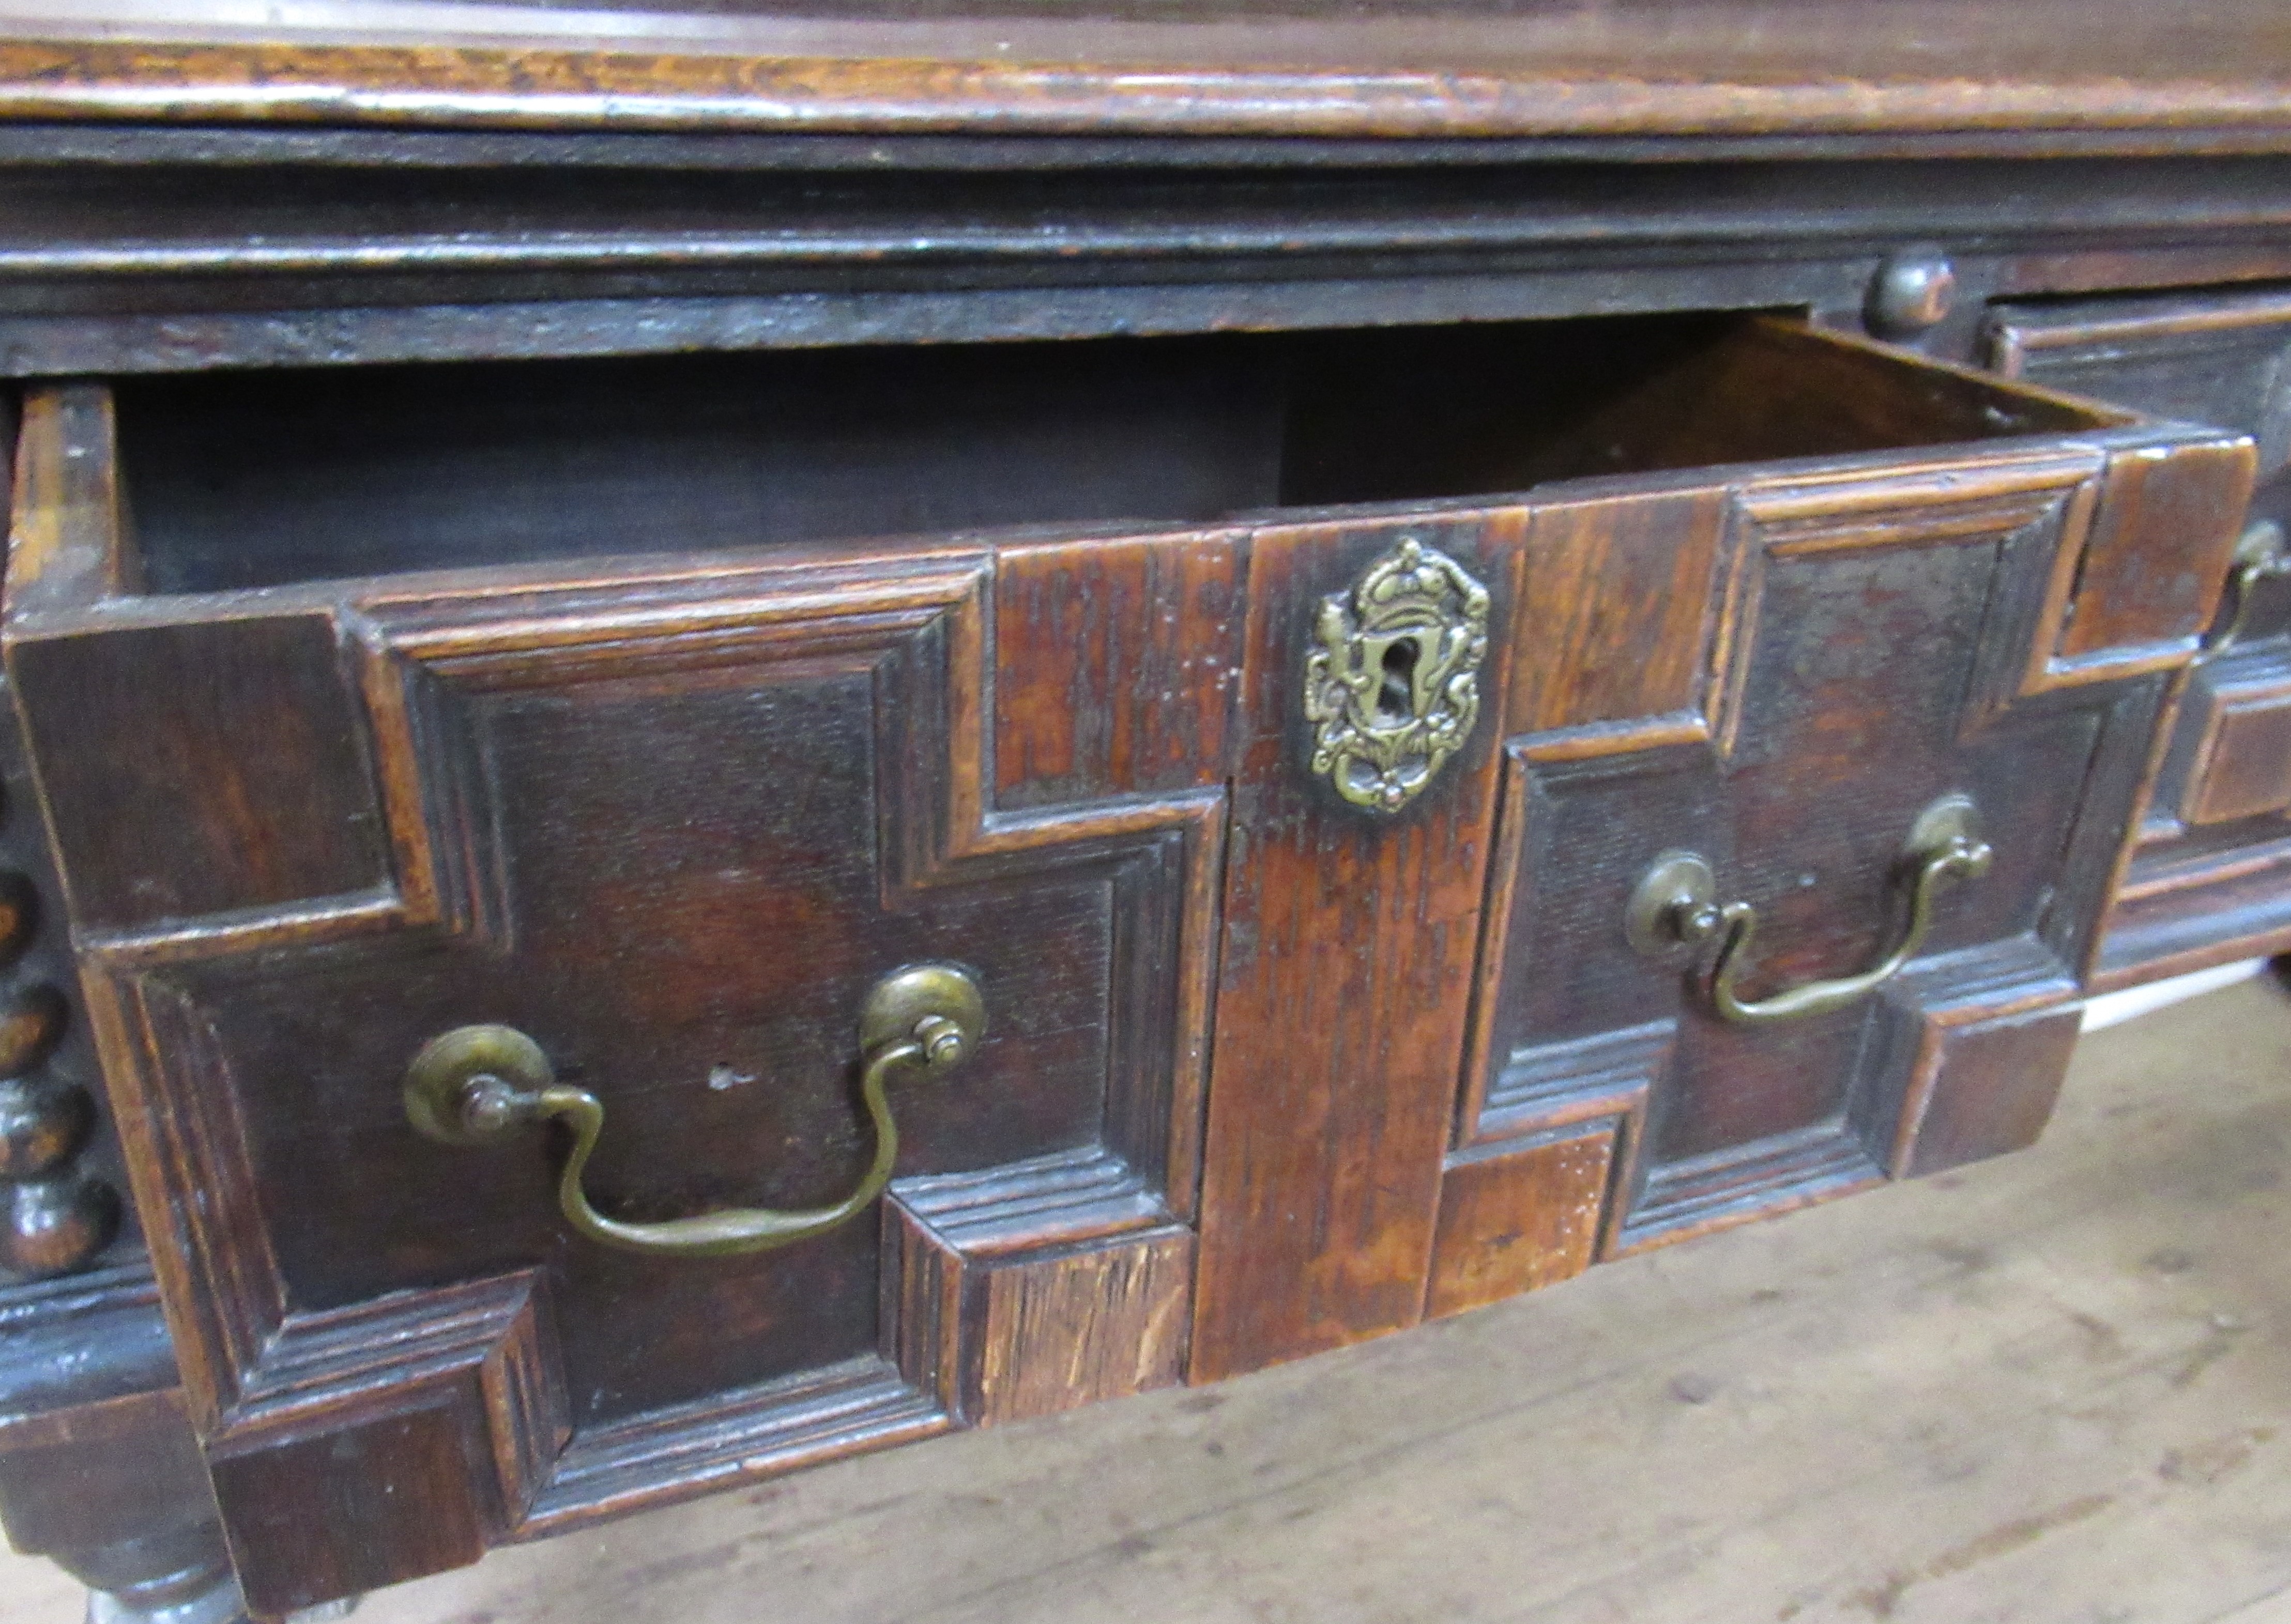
1275,730
2213,827
2209,358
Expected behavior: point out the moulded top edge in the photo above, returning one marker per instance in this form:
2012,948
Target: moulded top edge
1423,69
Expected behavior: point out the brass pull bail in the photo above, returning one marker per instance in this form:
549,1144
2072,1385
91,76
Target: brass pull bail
1676,905
476,1084
2260,554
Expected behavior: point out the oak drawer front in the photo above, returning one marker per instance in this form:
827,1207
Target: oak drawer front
668,817
2215,815
2207,358
1444,1072
1869,665
673,822
1774,661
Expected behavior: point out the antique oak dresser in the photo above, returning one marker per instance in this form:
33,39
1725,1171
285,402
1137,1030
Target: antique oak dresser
737,734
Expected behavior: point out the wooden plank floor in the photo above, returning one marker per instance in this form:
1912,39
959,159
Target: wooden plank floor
2052,1389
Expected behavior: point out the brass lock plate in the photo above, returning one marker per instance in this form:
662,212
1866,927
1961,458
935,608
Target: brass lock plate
1392,687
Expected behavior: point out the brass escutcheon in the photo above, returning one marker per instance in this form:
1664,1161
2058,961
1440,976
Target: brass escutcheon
475,1084
1676,908
1391,685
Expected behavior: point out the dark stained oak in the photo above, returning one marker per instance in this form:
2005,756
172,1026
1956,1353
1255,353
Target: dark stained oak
1266,1072
999,1328
635,523
2242,766
124,251
273,698
2223,780
1114,665
1211,66
115,1490
1512,1219
1771,756
1344,976
1605,657
1745,698
548,756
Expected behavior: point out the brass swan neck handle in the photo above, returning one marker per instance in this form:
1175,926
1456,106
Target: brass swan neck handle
1676,905
476,1084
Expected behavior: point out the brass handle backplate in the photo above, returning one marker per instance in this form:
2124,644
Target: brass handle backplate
2260,554
475,1084
1676,905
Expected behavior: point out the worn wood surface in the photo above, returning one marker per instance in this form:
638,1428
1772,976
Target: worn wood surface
116,1493
496,722
253,480
1209,66
2243,754
1343,986
1861,639
371,806
1834,687
126,249
2213,818
100,1470
2050,1389
594,730
1513,1220
672,811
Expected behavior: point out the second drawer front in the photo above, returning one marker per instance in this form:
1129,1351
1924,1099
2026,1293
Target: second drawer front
2217,812
1780,676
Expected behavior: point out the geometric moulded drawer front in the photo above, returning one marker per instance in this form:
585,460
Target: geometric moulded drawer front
1445,1071
2242,733
1870,658
673,822
2210,880
1287,1033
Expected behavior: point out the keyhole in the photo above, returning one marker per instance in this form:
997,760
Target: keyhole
1396,696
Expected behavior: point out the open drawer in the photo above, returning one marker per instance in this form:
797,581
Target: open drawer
1275,730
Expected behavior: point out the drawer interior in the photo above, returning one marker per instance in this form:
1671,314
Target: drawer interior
260,480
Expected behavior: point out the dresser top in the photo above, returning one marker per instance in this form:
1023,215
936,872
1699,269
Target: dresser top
2067,75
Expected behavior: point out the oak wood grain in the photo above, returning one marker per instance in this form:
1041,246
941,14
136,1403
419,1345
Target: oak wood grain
655,704
2243,754
2187,895
1345,983
1683,68
2043,1388
1001,1333
319,1382
1114,665
672,810
1603,655
1513,1220
212,735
